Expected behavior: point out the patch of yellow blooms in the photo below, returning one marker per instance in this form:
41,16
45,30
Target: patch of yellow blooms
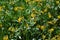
57,2
33,15
41,27
1,8
0,25
12,29
5,37
51,30
49,15
20,19
58,16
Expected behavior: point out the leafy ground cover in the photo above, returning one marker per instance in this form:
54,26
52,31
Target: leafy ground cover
29,19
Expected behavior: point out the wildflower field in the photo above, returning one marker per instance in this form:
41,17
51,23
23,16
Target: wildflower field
29,19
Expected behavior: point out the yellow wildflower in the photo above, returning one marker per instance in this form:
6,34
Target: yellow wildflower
38,0
20,19
58,16
51,30
57,2
0,25
54,38
50,22
5,37
45,10
12,29
27,1
43,36
42,12
27,25
49,15
42,27
0,8
16,8
33,15
21,8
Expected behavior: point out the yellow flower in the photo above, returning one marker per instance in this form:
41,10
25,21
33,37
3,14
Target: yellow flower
43,36
5,37
16,8
49,15
20,19
51,30
27,1
0,8
27,25
54,38
45,10
42,12
33,15
50,22
58,16
42,27
12,29
57,2
21,8
38,0
0,25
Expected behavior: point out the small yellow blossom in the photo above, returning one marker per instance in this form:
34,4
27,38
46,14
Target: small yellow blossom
27,25
45,10
20,19
38,0
27,1
42,27
43,36
51,30
5,37
33,15
12,29
48,6
0,25
0,8
58,16
57,2
54,38
21,8
49,15
16,8
50,22
42,12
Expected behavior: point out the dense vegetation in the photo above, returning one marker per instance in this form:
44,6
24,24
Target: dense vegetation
29,19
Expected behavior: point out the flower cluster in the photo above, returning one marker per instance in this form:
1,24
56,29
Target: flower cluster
30,20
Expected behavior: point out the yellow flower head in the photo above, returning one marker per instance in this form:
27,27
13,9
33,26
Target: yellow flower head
5,37
21,8
49,15
33,15
27,25
12,29
20,19
0,8
0,25
42,27
57,2
27,1
51,30
50,22
45,10
58,16
43,36
16,8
